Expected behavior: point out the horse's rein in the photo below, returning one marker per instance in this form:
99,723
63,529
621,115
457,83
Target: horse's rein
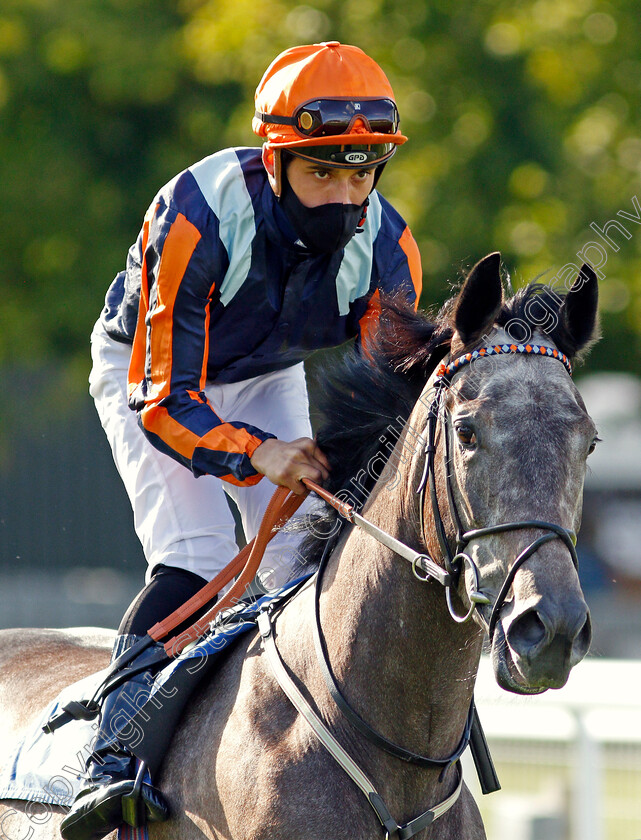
280,509
420,561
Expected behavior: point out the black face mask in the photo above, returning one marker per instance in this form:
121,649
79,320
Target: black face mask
325,229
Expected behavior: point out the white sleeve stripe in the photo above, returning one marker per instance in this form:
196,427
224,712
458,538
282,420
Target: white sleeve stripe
222,183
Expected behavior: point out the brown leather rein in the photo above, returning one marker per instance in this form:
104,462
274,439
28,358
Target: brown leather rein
281,508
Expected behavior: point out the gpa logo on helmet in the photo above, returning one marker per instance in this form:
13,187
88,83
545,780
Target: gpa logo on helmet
356,157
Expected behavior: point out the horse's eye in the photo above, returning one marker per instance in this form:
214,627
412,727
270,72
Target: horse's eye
593,445
466,434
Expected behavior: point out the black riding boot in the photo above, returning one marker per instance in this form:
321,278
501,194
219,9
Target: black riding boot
113,794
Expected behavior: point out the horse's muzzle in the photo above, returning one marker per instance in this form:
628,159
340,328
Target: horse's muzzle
535,649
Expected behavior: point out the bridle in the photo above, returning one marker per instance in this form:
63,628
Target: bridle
455,560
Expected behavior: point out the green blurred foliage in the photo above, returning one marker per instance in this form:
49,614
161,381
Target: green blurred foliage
524,121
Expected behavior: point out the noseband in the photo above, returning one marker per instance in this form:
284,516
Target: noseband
456,560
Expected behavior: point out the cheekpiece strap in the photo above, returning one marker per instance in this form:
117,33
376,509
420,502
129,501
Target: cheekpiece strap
445,371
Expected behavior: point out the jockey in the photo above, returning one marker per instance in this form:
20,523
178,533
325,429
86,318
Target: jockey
247,262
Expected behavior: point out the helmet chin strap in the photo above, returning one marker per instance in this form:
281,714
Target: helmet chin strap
278,173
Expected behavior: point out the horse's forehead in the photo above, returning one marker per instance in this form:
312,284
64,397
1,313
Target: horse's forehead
534,380
521,382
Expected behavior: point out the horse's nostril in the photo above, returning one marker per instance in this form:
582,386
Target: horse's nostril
525,632
582,641
534,635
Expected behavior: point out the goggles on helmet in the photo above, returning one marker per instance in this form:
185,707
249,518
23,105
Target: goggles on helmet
333,117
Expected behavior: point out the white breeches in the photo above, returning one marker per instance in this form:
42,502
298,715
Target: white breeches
185,521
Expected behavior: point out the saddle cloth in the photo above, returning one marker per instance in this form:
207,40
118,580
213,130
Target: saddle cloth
50,768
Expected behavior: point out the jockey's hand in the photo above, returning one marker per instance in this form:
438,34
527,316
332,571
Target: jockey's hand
286,463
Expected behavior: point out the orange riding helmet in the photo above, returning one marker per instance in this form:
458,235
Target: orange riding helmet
327,102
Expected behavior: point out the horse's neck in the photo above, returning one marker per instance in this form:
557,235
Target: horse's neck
405,665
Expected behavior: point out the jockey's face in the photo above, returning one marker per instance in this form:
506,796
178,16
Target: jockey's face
316,184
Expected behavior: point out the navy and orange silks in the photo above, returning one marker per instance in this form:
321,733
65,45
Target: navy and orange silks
217,290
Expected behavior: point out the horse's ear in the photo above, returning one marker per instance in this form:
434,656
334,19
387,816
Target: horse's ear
579,311
479,301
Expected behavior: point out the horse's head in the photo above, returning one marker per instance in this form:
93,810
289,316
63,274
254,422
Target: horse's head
514,435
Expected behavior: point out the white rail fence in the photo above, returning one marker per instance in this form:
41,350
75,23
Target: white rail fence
569,761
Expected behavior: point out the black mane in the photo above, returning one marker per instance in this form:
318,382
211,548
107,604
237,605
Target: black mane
366,400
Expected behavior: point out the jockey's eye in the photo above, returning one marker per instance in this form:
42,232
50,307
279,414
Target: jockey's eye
466,434
593,445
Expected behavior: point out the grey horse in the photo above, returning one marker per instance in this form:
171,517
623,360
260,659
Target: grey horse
511,440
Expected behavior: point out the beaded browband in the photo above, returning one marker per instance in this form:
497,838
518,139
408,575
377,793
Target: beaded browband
445,371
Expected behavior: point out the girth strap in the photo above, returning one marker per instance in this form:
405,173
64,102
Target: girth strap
393,831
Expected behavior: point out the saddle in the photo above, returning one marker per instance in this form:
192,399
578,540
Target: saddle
48,764
156,720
